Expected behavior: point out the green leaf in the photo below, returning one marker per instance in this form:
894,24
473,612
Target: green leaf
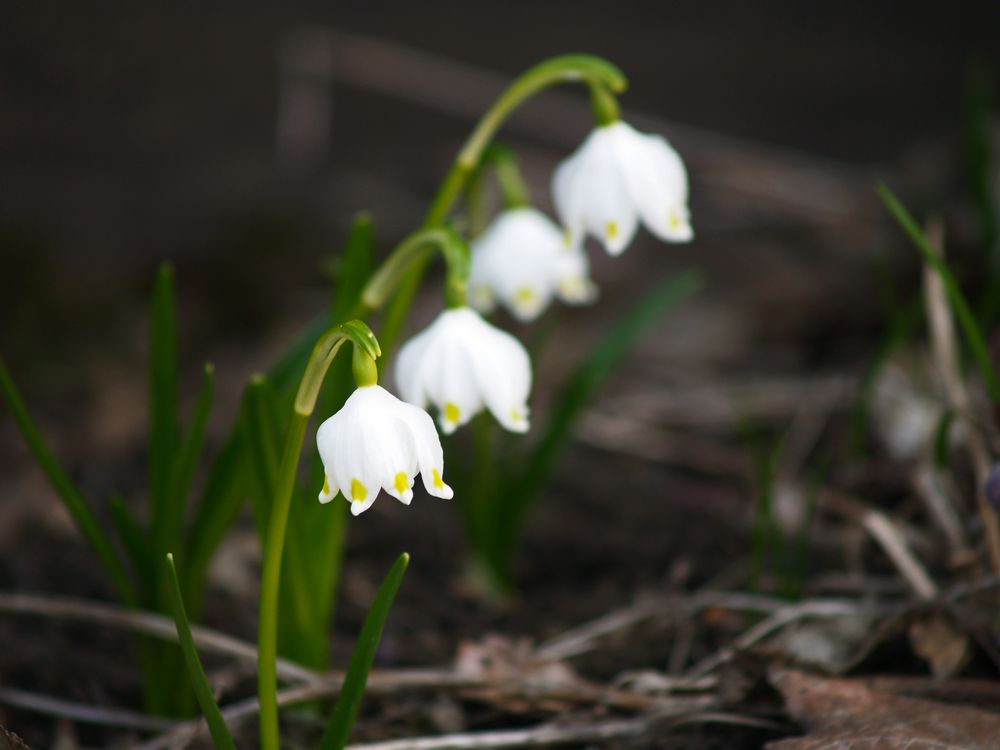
135,542
163,428
186,460
967,321
286,373
221,737
84,518
262,436
225,491
580,390
942,439
355,267
345,712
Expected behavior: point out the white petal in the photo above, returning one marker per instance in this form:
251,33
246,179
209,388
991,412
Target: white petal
429,454
573,284
514,259
435,369
359,507
503,374
329,490
410,373
565,196
591,194
657,182
468,363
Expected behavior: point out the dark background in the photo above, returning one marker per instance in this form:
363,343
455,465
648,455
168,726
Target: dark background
133,133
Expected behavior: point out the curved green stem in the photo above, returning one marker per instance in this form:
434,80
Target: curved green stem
416,250
604,80
598,74
323,354
512,185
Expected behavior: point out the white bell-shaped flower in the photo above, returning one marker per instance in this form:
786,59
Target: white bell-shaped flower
522,260
460,363
617,178
377,442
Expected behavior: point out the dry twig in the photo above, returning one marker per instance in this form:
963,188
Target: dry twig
147,623
112,717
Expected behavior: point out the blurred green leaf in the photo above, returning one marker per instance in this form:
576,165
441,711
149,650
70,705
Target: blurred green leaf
967,321
225,491
942,439
338,730
135,542
355,267
517,495
262,436
84,518
221,737
188,455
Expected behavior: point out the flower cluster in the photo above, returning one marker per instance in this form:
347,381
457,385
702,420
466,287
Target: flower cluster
461,364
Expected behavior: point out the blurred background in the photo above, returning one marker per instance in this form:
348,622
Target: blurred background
239,143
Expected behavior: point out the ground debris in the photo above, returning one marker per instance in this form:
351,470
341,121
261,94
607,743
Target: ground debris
10,741
851,714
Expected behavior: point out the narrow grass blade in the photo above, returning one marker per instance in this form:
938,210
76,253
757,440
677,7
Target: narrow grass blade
970,328
66,490
585,382
221,737
338,731
163,429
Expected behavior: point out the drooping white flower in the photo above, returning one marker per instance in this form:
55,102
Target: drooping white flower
522,260
617,178
460,363
377,442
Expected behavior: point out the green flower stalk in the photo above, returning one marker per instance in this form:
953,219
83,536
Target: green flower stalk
374,442
322,357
